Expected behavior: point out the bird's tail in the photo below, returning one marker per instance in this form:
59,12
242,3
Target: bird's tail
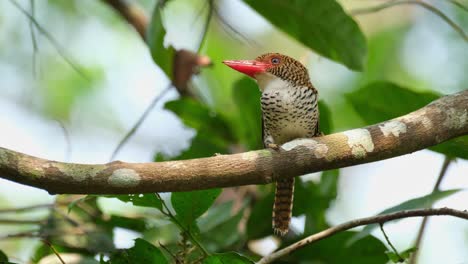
283,205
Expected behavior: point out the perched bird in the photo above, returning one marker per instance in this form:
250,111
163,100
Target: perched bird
289,111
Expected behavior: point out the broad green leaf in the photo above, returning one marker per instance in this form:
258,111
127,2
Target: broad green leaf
198,116
321,25
417,203
136,224
191,205
142,252
162,56
326,123
215,216
249,121
381,101
145,200
259,223
227,258
225,234
3,257
334,250
313,199
402,256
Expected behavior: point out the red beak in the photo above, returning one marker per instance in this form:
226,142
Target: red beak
249,67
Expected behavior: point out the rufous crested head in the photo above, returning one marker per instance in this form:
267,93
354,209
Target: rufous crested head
277,64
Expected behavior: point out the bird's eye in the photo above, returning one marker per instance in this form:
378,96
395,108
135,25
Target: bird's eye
275,60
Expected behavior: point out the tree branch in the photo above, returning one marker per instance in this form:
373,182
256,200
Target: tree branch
360,222
134,15
439,121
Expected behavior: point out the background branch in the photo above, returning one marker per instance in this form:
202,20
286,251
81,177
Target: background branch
422,228
132,13
379,219
439,121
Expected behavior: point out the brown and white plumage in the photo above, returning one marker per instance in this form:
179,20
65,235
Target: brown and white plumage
289,111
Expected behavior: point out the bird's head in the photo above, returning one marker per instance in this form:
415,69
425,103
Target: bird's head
272,66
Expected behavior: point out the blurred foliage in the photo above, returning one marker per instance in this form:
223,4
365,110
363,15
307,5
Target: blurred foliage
207,226
314,23
417,203
380,101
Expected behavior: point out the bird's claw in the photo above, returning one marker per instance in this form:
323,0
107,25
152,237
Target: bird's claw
273,146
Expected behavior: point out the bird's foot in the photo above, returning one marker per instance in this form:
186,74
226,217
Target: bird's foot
273,146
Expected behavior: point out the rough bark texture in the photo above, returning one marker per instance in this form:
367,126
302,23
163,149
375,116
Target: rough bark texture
439,121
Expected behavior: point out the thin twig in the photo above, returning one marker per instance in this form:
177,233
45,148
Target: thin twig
60,50
66,136
132,13
140,120
400,259
458,4
422,228
25,234
206,26
368,10
26,208
169,214
33,38
54,250
360,222
20,222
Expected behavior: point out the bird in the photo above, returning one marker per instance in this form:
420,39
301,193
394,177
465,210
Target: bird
289,104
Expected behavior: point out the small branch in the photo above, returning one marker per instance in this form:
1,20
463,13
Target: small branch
140,120
458,4
26,208
192,238
20,222
60,50
400,259
33,38
422,228
54,250
132,13
379,219
450,22
206,25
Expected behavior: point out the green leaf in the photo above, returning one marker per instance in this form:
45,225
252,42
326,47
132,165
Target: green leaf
417,203
259,224
224,234
162,56
381,101
321,25
198,116
313,199
3,257
142,252
227,258
249,121
136,224
404,255
325,121
191,205
334,250
145,200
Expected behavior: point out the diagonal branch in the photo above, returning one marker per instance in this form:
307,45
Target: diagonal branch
441,120
360,222
132,13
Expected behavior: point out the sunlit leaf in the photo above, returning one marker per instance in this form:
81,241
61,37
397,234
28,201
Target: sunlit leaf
163,56
321,25
401,257
191,205
227,258
381,101
417,203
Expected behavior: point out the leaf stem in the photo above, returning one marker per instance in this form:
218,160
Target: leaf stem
192,238
400,259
